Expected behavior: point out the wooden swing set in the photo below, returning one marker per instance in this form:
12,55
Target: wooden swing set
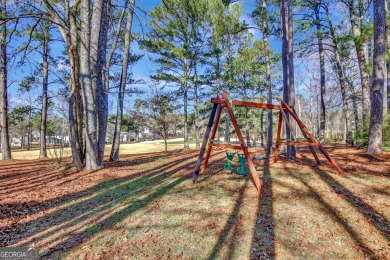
224,102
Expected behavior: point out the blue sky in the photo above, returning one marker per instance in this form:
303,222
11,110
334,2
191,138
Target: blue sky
141,70
145,67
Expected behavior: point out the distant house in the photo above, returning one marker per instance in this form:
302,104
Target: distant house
57,140
16,141
144,134
124,136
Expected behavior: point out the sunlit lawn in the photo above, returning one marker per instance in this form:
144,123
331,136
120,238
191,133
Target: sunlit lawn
125,148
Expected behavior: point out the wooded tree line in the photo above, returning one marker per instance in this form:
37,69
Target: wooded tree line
84,27
333,51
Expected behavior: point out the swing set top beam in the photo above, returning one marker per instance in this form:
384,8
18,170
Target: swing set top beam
246,104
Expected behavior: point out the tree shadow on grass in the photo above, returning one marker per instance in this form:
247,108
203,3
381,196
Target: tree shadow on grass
330,211
97,208
32,180
263,244
374,217
43,174
13,168
214,166
352,160
28,175
230,227
109,222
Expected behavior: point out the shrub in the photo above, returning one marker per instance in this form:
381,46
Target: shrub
362,142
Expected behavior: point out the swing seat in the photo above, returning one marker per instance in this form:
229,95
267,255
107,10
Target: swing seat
242,169
229,163
235,164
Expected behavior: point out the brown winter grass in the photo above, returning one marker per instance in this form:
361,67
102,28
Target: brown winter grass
144,207
125,148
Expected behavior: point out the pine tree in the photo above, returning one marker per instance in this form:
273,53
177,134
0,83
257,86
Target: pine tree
376,90
288,63
122,84
172,40
4,130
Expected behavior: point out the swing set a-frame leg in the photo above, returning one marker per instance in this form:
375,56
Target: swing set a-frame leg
216,108
318,144
313,152
249,161
277,143
213,134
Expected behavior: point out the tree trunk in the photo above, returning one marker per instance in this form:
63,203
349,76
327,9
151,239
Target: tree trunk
312,106
115,151
229,61
5,138
369,47
262,127
185,103
254,130
196,106
356,23
114,156
218,74
342,80
218,82
97,55
376,113
186,143
227,128
288,64
247,134
264,28
45,75
70,36
89,93
75,99
322,73
388,55
74,113
318,114
29,129
101,86
354,107
388,79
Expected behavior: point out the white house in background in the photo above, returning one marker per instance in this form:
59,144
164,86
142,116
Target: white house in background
124,136
130,136
57,140
16,141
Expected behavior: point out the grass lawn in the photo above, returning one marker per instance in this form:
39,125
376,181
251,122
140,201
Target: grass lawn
132,148
144,207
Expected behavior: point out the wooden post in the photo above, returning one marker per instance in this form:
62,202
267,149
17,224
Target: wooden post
251,167
205,140
320,147
277,143
215,129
